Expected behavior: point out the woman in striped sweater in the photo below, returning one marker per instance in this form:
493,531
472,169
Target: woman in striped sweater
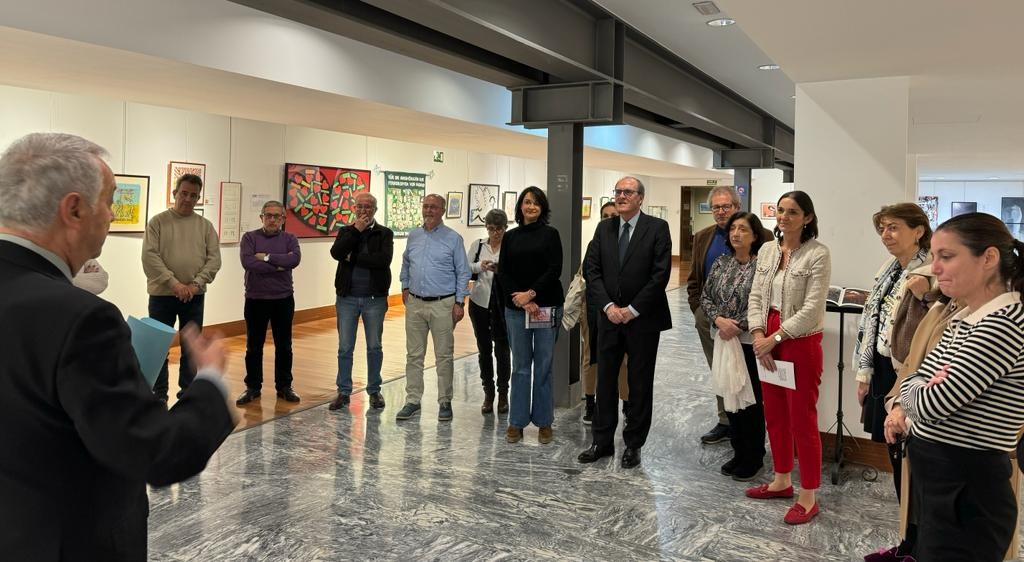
966,400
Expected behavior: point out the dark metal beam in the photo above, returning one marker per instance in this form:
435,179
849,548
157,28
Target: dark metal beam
744,158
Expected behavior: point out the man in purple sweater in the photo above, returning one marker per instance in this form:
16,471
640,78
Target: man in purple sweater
269,255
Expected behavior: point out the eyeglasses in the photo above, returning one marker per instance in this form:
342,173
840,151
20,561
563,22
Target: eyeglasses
273,216
717,208
624,192
365,207
187,195
433,207
492,228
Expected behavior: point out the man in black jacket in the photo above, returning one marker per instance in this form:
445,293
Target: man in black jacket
627,269
364,250
82,432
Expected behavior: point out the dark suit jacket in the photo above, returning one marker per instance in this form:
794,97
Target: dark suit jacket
638,282
82,434
701,243
380,248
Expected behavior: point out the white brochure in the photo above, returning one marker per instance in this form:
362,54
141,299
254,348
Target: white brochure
784,374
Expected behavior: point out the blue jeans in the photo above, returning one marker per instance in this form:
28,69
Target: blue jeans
532,350
168,309
349,309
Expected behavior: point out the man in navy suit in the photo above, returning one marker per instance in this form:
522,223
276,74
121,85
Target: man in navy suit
627,269
82,433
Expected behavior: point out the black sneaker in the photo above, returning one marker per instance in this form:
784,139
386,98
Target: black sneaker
407,411
376,401
339,402
730,466
588,409
719,433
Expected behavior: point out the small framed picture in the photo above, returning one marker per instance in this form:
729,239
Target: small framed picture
131,203
704,208
508,204
177,169
962,207
768,211
604,200
588,203
454,205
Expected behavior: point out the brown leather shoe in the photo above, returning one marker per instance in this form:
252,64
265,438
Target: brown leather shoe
514,434
545,436
503,402
488,406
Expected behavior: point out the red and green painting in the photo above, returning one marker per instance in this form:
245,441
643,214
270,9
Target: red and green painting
321,199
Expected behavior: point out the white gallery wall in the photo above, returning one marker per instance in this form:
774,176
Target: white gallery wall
987,194
142,139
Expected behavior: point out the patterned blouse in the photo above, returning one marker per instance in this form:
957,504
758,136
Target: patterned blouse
726,291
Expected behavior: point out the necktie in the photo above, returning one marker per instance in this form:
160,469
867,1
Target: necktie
623,242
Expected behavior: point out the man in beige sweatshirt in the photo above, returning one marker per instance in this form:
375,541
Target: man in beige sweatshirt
181,256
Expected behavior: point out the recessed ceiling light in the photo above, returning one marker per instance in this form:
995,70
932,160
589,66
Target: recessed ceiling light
768,67
721,22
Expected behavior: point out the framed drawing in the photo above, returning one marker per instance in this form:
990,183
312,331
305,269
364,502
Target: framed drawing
403,201
659,211
962,207
930,205
131,203
508,204
768,211
1013,216
319,200
199,211
177,169
454,205
588,202
230,219
704,208
482,198
604,200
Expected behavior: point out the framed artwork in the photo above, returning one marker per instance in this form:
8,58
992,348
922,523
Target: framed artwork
704,208
768,210
659,211
604,200
930,205
199,211
1013,215
588,202
403,201
177,169
319,200
508,204
229,225
482,198
131,203
454,205
962,207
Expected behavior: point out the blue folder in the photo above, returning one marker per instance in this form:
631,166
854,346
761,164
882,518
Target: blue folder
151,340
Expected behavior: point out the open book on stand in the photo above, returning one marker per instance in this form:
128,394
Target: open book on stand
847,296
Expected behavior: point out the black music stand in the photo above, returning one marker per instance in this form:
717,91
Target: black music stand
839,425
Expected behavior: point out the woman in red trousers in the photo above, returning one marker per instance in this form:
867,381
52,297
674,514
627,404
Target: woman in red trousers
786,311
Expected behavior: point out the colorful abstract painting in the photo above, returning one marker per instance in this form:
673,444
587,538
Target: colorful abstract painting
131,203
319,200
403,200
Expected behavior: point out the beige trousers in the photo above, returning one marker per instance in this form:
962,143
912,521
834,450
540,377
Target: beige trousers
433,317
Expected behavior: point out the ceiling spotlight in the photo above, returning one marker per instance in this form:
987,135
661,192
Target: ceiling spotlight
768,67
721,22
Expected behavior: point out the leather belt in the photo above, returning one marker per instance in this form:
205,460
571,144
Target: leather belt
432,299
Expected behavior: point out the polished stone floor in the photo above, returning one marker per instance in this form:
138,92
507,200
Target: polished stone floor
357,485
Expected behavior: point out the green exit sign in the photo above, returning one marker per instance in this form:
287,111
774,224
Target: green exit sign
438,156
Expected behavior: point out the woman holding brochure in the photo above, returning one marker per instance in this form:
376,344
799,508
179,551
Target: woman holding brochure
531,262
786,311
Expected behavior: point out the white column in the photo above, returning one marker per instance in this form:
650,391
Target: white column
851,158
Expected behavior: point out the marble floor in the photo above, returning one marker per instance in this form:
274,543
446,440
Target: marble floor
357,485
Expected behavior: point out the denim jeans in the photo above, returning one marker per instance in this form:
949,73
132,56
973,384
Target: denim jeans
372,310
168,309
532,351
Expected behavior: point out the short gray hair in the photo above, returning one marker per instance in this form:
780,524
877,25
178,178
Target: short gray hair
636,180
39,169
726,190
366,194
497,217
271,203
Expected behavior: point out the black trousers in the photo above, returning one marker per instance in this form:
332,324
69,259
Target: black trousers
613,343
279,314
168,310
961,501
748,424
489,329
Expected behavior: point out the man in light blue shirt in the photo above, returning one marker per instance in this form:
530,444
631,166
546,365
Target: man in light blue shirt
435,283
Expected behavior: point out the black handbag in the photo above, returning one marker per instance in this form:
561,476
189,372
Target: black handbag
476,258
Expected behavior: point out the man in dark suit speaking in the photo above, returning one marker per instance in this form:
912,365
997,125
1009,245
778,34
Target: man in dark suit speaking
82,434
627,268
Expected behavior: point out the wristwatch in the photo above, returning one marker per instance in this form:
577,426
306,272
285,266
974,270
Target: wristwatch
777,338
266,258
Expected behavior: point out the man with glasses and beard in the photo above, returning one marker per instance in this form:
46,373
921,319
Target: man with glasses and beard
269,255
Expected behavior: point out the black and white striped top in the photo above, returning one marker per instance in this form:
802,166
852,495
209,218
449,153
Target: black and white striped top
980,405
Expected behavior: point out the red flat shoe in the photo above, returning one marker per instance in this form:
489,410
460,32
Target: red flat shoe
797,515
763,493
